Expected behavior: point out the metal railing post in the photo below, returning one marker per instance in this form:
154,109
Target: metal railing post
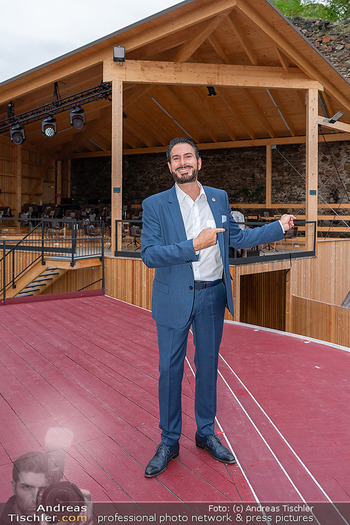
74,241
42,242
4,270
103,257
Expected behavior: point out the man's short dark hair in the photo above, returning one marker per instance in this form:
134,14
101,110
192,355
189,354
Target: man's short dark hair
180,140
31,462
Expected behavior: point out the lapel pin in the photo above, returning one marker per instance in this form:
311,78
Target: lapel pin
213,199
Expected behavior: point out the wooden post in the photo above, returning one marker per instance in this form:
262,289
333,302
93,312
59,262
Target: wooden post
268,175
117,161
18,168
311,163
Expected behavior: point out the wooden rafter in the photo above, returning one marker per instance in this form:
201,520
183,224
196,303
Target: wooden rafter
282,59
189,48
215,44
249,51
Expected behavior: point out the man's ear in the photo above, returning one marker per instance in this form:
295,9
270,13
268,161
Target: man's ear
169,166
13,486
199,163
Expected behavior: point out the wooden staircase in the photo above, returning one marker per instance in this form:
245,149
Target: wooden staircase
39,277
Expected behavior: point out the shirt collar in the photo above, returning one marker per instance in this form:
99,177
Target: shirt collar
181,195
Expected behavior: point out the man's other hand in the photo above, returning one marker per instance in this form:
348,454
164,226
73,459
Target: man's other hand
206,238
287,221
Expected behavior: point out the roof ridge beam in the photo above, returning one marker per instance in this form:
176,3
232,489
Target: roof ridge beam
189,48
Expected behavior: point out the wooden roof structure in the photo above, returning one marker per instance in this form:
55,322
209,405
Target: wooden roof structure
272,87
210,42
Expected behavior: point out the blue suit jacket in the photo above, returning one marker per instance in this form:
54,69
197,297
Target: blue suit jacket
165,247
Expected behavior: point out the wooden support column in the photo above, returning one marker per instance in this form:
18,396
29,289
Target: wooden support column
18,171
311,163
58,181
268,175
117,161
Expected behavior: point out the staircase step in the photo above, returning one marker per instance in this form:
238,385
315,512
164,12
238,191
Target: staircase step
42,279
50,273
39,283
30,289
21,294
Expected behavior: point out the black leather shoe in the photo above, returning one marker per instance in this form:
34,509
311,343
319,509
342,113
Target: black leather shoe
215,447
161,458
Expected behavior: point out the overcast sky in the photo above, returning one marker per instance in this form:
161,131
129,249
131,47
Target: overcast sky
35,31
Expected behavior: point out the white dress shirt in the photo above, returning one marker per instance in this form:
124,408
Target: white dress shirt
197,215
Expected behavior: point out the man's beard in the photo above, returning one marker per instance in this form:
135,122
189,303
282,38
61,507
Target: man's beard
191,177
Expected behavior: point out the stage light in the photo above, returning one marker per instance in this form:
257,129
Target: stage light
77,117
211,91
48,126
118,54
335,117
17,134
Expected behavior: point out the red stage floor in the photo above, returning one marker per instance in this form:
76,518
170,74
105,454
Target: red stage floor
88,366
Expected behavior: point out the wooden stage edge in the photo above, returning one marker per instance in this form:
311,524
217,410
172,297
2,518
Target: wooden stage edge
84,370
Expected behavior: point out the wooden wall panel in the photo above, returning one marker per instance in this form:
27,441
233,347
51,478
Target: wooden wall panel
325,278
263,299
35,169
335,325
74,280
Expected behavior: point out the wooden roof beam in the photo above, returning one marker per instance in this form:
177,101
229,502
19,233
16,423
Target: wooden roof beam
340,126
151,72
215,44
282,59
290,51
188,49
234,25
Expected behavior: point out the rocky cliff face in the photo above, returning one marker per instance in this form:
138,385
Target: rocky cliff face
332,39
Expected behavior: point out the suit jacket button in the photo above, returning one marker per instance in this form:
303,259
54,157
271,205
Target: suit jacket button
191,287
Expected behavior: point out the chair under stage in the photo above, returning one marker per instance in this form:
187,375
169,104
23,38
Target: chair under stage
88,366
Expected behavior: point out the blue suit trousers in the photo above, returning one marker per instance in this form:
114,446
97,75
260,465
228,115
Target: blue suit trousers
207,320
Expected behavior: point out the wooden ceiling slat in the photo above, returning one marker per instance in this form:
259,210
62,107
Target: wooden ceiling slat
139,132
188,49
172,102
234,108
246,93
284,113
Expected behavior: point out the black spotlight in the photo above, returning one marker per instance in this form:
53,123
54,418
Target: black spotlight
17,134
48,126
77,117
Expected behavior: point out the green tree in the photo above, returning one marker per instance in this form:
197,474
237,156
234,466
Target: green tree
334,10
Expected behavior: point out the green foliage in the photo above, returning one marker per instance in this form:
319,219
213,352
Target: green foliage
334,10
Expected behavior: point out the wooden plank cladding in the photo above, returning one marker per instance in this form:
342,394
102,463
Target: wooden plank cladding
325,278
318,320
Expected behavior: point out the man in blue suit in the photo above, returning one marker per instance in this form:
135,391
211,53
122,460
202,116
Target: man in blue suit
185,236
